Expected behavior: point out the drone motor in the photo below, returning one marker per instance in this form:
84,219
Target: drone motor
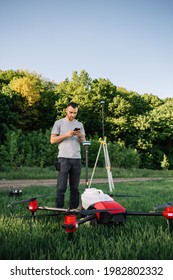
70,223
33,206
168,213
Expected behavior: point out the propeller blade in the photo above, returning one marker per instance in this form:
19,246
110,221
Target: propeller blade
167,204
124,195
27,200
22,201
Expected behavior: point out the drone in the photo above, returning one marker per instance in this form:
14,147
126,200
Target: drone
97,207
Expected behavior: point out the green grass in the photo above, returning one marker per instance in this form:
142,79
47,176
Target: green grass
141,238
50,173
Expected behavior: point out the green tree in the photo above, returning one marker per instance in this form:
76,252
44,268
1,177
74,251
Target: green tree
162,130
31,100
164,163
28,86
87,94
7,116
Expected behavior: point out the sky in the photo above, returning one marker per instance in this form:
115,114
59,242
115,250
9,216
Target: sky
129,42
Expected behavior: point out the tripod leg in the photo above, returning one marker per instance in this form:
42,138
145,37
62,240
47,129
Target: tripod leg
95,166
108,167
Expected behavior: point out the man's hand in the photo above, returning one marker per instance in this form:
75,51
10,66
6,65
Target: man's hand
77,132
58,138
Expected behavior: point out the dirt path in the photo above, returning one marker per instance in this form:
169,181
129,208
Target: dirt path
52,182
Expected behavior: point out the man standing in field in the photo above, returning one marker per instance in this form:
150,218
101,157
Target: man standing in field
68,133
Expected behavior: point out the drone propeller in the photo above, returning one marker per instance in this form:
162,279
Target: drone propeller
167,204
28,200
124,195
22,201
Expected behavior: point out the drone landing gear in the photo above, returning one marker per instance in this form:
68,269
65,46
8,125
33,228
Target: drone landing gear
94,222
118,219
70,236
170,225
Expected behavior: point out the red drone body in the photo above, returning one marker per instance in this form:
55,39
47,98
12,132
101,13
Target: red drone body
112,209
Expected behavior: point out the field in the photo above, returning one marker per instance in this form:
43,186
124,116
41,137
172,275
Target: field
141,238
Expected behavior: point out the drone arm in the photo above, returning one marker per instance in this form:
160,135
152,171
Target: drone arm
85,219
167,213
135,213
52,209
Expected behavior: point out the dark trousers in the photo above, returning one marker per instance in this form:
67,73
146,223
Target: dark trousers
68,169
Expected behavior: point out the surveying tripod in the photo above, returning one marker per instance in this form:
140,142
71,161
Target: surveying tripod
103,145
107,165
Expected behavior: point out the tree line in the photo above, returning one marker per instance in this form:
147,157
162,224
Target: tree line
138,128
